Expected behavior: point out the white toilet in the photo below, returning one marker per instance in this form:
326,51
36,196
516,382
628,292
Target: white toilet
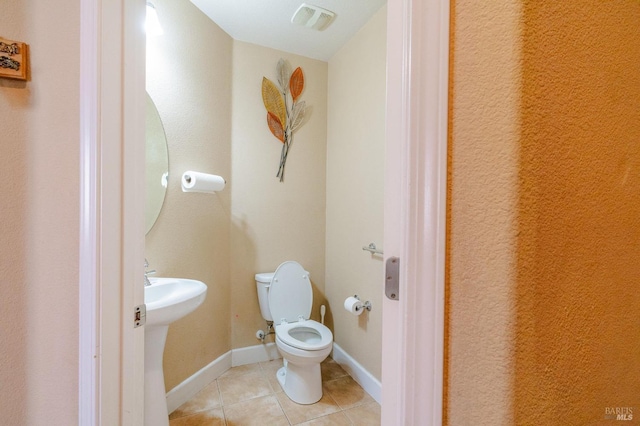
286,298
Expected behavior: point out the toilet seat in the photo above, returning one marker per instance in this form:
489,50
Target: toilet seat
316,336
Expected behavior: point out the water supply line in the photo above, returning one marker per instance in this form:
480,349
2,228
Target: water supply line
260,335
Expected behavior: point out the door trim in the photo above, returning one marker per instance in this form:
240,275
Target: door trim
89,242
111,235
415,209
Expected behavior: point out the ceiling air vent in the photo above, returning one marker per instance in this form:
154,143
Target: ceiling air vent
311,16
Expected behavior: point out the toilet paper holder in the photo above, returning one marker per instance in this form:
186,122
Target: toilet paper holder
366,305
372,249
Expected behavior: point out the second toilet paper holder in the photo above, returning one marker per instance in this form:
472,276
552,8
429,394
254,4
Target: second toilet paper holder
366,305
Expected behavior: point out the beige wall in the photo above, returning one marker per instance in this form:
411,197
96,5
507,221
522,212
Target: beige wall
189,79
274,221
543,242
39,222
483,158
355,179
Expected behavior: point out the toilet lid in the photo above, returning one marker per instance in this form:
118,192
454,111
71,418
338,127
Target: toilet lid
290,294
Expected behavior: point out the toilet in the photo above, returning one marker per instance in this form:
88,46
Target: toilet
286,297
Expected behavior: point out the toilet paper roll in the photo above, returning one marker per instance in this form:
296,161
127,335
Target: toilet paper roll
353,305
202,182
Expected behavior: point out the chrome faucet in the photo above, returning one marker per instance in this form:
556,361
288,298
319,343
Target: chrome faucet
147,273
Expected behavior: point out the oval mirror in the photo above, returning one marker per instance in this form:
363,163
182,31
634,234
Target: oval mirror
157,165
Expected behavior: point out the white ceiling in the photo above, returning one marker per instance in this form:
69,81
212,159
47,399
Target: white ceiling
268,23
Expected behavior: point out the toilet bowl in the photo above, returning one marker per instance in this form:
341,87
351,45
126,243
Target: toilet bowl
286,297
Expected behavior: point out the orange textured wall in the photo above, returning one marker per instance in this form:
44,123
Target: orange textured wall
544,212
578,304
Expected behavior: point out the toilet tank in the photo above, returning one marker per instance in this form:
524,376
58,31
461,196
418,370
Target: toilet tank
263,282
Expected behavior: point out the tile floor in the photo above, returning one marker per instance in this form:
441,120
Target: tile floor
251,395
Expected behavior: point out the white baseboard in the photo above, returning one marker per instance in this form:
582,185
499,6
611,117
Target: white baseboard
253,354
369,383
198,381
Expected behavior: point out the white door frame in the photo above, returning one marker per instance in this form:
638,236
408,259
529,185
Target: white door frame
112,230
111,351
415,210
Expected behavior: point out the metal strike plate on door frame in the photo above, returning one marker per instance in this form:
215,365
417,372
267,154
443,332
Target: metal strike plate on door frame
140,315
392,279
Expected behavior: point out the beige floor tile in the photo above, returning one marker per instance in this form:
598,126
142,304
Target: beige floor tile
364,415
298,413
241,370
269,370
256,412
213,417
331,370
347,393
243,387
206,399
335,419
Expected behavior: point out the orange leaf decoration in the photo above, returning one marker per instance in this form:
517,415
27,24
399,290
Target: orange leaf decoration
273,101
296,84
275,126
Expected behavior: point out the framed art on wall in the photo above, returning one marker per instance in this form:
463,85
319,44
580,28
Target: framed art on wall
13,59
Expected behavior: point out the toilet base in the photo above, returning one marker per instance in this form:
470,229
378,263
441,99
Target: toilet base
302,384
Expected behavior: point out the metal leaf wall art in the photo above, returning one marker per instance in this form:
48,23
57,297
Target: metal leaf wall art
285,112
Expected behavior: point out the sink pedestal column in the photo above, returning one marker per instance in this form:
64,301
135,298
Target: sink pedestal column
155,396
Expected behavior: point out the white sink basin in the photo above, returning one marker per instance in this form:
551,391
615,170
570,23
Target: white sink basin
169,299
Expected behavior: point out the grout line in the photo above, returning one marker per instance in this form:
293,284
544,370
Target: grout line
205,408
265,375
283,411
224,413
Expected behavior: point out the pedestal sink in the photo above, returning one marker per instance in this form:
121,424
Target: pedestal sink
167,300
